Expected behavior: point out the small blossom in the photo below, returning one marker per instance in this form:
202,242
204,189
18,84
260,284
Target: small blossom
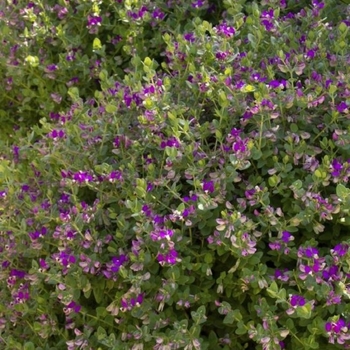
168,258
208,186
73,306
225,30
94,21
158,14
342,108
197,4
297,300
340,249
56,134
189,37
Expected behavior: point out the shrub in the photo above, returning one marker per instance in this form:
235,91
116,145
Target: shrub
199,201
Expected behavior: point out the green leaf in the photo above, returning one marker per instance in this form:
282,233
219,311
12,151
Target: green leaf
199,315
140,192
96,45
256,154
229,318
272,290
241,329
297,184
98,291
32,60
73,93
343,27
294,127
332,89
101,333
304,311
248,88
318,173
208,258
148,62
29,346
342,191
111,108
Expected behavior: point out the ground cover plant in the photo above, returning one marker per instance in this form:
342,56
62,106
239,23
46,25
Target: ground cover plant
173,175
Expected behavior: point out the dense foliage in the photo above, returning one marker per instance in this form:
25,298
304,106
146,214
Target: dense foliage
173,175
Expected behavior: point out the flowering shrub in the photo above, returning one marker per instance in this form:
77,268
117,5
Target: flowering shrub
186,187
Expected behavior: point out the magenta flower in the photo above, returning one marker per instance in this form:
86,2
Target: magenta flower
297,300
168,258
338,331
56,134
128,305
225,30
286,237
342,108
94,21
189,37
340,249
336,168
158,14
197,4
117,262
208,186
73,306
82,177
114,176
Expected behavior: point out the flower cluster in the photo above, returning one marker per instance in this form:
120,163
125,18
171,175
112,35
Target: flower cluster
65,258
338,331
130,303
281,244
112,267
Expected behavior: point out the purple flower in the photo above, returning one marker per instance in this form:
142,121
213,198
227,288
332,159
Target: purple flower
189,37
74,306
328,326
127,305
281,275
225,30
56,134
198,3
275,245
161,234
114,176
239,146
38,233
310,54
297,300
338,331
51,67
94,21
317,4
43,264
169,257
340,249
17,273
221,55
117,262
82,177
342,107
336,168
208,186
331,273
267,24
286,237
15,150
309,252
171,142
274,84
158,14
